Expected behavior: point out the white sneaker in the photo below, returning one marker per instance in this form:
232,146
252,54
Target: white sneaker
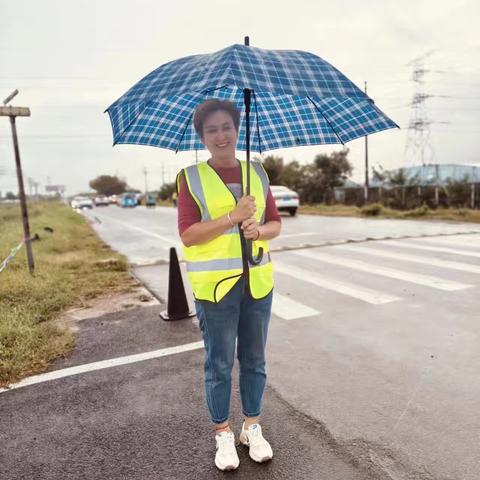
259,449
226,457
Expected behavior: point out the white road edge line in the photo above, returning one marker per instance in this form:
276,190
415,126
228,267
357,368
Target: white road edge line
113,362
171,240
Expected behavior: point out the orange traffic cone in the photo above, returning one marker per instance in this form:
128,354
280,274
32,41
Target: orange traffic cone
177,307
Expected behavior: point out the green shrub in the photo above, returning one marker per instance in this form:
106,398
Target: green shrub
418,212
372,210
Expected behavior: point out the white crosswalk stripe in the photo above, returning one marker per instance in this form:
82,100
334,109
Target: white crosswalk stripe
362,293
466,240
288,309
419,246
464,267
417,278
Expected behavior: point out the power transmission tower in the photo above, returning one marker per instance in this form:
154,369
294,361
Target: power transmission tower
418,147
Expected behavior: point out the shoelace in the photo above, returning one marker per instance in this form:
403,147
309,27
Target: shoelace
255,436
226,439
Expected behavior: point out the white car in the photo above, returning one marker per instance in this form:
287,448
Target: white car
285,199
74,202
82,202
102,200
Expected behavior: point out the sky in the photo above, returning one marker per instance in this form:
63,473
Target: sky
71,59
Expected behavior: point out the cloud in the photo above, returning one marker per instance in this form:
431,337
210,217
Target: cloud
76,58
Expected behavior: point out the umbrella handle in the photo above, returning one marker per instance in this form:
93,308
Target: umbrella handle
251,260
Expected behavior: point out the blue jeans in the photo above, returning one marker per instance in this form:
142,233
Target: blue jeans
236,315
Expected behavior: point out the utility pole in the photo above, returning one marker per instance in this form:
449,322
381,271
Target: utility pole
146,185
13,113
366,160
163,173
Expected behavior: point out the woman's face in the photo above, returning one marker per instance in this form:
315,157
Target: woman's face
219,134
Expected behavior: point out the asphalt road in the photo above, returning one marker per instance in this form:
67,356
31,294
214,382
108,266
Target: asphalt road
373,364
148,420
145,235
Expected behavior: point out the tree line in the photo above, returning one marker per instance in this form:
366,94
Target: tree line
314,182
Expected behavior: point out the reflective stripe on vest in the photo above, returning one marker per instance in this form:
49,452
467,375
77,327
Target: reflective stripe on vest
214,267
223,264
263,175
196,189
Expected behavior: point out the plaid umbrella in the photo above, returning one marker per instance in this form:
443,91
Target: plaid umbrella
297,99
291,98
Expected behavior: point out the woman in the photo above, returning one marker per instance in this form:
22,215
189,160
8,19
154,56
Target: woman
233,298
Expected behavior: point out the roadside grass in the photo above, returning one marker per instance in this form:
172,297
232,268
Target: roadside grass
72,265
376,210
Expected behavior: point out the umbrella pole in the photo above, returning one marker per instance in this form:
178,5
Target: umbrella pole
246,98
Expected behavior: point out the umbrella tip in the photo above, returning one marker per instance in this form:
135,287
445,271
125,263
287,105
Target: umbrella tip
247,41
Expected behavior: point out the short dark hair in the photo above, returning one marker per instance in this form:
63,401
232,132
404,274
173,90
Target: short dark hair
213,105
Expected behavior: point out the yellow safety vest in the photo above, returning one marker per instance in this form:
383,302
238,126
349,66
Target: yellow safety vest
214,267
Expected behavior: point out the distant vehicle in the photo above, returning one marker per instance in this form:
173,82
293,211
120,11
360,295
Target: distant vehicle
113,199
101,201
286,200
150,201
82,202
74,202
128,200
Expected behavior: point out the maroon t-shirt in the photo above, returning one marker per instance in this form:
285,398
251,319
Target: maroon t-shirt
189,213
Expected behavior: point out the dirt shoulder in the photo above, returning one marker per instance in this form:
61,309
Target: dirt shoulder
75,274
96,307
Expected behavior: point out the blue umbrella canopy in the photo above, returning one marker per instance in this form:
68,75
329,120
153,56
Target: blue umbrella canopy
297,99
